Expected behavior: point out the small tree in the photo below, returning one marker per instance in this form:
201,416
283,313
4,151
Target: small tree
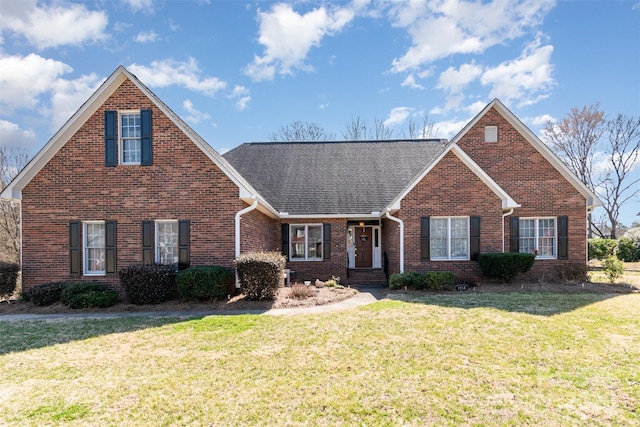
12,160
299,131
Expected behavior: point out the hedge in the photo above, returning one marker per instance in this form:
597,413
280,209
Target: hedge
204,282
505,266
148,283
88,294
8,278
260,274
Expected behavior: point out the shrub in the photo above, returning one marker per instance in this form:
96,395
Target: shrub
331,283
409,279
505,266
601,248
204,282
149,283
46,294
436,280
613,268
629,249
573,272
300,291
8,278
88,294
260,274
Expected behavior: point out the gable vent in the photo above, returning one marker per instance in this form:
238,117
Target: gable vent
491,134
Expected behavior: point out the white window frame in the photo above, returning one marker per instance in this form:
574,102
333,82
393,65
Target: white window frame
449,256
297,227
537,237
121,139
85,249
491,134
158,258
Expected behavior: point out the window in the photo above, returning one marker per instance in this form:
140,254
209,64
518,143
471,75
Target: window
449,238
538,236
94,248
306,242
130,138
167,242
491,134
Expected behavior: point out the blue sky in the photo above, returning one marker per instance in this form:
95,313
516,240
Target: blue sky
236,71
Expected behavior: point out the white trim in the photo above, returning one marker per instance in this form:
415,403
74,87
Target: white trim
237,224
156,248
399,221
306,242
449,257
85,257
120,138
537,236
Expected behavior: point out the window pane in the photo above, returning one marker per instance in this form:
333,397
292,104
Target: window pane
297,241
94,247
130,137
527,235
314,241
131,151
439,231
546,237
167,242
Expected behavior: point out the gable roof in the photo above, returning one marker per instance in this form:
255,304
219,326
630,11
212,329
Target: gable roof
592,199
333,178
110,85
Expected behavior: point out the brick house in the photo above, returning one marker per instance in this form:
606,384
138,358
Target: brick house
126,181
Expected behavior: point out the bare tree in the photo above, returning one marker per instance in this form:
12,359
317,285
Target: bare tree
301,131
11,162
602,163
358,129
425,130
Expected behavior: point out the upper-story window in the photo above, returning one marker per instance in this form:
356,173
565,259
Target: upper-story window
127,138
130,146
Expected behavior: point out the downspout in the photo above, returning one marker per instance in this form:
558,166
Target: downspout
399,221
238,215
503,217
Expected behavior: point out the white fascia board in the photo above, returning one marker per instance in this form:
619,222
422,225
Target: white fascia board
284,215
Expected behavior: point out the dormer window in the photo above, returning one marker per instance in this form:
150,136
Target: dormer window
491,134
127,138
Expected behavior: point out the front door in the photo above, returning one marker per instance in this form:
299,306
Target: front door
364,243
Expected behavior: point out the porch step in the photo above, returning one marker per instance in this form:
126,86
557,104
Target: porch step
367,277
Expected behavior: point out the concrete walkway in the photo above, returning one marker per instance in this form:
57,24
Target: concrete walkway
364,297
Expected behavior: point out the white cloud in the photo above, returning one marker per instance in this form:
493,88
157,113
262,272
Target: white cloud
140,5
410,81
52,25
449,128
526,80
397,116
442,28
241,96
195,116
287,37
69,95
146,37
454,80
168,72
11,136
541,120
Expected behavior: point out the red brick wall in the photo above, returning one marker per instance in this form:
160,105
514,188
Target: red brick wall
258,232
183,183
532,181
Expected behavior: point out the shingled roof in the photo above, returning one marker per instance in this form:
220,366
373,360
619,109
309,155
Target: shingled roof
333,178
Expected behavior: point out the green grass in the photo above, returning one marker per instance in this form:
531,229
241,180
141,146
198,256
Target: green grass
458,359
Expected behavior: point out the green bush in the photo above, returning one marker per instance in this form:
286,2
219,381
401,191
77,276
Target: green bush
409,279
204,282
437,280
8,278
260,274
505,266
612,268
148,283
88,294
45,294
629,249
602,248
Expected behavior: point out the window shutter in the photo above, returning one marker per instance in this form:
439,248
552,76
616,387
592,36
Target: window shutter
425,244
110,247
475,238
326,241
514,233
110,138
74,248
563,237
285,240
146,146
183,244
147,242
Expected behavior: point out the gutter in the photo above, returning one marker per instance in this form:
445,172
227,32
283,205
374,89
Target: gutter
399,221
238,215
504,215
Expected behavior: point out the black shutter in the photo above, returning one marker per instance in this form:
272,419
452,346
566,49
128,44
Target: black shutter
475,238
514,234
563,237
326,241
110,138
183,244
285,240
146,146
74,248
110,247
425,244
147,242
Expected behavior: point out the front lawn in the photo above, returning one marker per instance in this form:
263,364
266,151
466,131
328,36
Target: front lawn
440,359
